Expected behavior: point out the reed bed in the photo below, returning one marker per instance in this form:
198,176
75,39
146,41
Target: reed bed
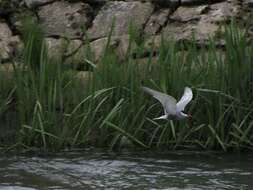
54,109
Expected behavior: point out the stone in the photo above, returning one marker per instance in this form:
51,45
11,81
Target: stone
65,19
98,46
193,2
177,32
197,2
185,14
36,3
93,2
206,22
123,46
201,31
157,21
7,70
66,49
73,46
9,44
84,77
205,30
5,34
153,42
124,13
5,31
167,3
248,3
56,47
119,44
74,54
222,12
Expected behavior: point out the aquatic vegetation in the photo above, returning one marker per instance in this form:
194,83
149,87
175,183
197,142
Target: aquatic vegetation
56,109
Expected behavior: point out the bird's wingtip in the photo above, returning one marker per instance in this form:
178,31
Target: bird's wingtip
144,88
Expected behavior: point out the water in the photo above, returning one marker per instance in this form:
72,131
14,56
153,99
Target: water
147,171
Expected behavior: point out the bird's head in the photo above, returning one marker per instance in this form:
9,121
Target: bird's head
189,117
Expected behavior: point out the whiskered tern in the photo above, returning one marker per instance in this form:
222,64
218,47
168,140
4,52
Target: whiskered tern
172,108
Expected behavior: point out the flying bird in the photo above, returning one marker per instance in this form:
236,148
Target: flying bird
172,108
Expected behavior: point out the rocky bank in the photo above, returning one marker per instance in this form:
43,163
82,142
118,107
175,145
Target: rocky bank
69,22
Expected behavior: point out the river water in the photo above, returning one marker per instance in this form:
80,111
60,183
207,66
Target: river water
128,170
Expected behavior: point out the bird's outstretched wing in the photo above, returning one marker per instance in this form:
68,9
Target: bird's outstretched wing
168,102
185,99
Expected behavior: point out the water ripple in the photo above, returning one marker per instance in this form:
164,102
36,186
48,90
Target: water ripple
131,171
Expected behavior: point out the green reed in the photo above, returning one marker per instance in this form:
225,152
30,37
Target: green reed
56,109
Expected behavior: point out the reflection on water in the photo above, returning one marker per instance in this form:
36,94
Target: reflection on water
88,170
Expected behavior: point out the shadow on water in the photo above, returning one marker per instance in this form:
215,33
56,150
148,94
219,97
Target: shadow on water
99,170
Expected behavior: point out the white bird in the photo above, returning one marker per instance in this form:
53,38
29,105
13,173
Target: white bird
172,108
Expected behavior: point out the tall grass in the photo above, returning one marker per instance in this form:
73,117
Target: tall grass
56,109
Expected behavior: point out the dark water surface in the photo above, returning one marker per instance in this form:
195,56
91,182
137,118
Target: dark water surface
98,170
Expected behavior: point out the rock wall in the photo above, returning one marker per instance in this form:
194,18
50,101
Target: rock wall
67,20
